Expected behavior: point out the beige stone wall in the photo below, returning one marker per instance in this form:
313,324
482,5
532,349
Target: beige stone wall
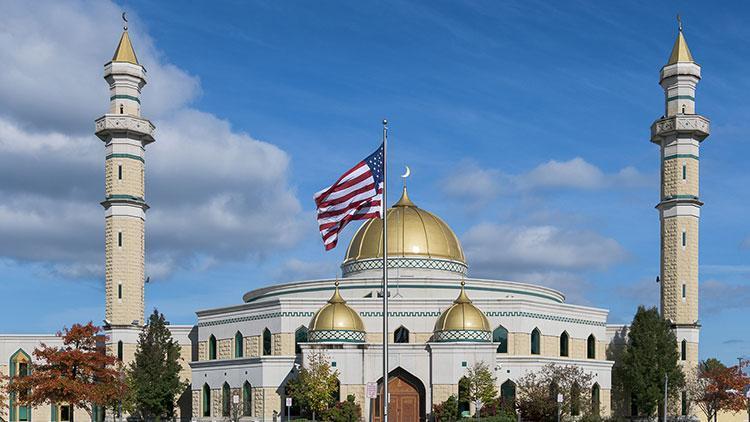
674,184
252,346
196,400
605,399
128,351
680,266
265,401
441,392
224,349
420,337
376,338
124,265
550,346
202,350
357,390
725,416
132,182
282,344
521,343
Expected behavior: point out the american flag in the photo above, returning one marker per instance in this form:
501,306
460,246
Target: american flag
357,195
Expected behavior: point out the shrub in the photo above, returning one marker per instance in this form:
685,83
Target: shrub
345,411
446,411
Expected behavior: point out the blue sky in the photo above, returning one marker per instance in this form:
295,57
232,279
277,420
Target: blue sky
523,122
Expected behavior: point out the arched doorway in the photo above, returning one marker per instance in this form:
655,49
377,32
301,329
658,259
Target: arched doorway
407,398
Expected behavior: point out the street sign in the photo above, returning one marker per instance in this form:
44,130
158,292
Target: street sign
559,398
288,402
372,390
236,399
479,404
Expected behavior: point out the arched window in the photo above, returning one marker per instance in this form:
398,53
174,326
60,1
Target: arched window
595,402
206,401
401,335
226,399
239,345
683,350
508,394
266,342
300,336
591,347
212,347
564,338
19,367
575,399
119,350
500,336
247,399
684,404
535,342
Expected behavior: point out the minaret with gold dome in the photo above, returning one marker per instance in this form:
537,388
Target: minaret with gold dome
125,135
679,134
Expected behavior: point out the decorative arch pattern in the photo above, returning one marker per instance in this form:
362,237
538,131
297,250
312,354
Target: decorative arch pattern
247,399
19,366
206,401
239,345
564,344
226,399
591,347
500,336
595,401
212,348
267,342
300,336
536,341
401,335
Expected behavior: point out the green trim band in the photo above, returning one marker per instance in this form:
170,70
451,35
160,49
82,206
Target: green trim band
681,97
130,156
670,157
667,198
415,286
125,97
125,197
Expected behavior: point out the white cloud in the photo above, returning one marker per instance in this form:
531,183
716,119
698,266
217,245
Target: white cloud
216,194
296,269
479,185
718,296
544,254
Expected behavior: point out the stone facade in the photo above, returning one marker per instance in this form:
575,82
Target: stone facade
124,266
224,348
283,344
441,392
680,267
252,346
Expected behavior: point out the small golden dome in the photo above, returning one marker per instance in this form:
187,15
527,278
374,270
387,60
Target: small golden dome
462,316
412,232
336,315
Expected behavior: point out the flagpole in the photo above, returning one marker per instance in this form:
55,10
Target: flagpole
384,205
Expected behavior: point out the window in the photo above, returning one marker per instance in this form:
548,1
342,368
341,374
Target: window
575,399
119,239
122,111
212,347
508,394
595,402
535,342
206,400
684,172
239,345
564,344
500,336
684,238
591,347
684,291
266,342
119,351
300,336
119,172
226,399
64,413
684,404
401,335
683,350
119,290
247,399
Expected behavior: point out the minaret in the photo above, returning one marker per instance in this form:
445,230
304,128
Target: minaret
125,135
679,134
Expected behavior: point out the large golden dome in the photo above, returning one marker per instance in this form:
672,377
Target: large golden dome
412,233
462,321
336,321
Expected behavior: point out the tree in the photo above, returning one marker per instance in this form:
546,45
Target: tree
79,373
345,411
716,387
537,392
480,383
446,411
315,386
650,354
3,397
154,374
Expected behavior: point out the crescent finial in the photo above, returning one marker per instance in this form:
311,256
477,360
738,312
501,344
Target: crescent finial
125,19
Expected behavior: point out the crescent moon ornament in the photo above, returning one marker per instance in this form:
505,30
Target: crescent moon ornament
407,173
124,18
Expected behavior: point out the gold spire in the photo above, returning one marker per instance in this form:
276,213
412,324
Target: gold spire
125,52
404,201
336,298
462,297
680,51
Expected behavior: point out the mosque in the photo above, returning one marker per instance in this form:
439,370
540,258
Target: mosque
443,320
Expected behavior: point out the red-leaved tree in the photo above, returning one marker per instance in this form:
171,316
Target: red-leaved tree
78,373
718,388
3,397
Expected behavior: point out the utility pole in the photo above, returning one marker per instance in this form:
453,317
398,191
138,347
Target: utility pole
666,389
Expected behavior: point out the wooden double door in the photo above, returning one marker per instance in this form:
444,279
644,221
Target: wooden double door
404,404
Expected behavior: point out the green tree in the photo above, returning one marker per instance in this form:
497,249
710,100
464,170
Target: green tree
715,388
480,383
154,374
650,354
537,393
315,386
345,411
446,411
